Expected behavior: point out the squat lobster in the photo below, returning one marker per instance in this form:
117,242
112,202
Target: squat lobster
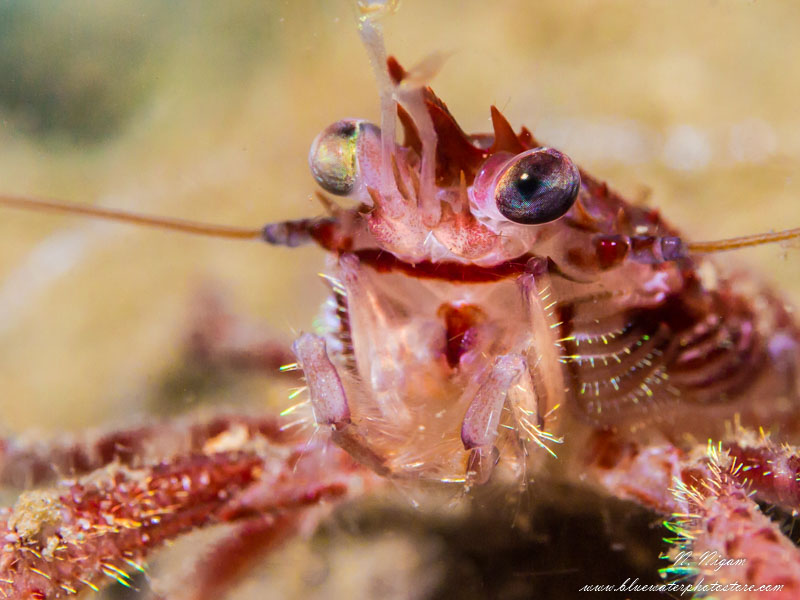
491,303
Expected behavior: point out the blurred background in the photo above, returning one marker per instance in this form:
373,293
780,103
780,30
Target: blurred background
206,110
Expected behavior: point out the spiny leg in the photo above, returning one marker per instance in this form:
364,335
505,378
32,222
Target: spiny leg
32,461
712,512
729,539
223,566
770,470
266,518
85,533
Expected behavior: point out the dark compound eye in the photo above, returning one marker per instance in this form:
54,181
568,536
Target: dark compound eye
333,157
537,187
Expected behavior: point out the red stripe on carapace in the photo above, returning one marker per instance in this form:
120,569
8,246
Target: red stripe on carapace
384,262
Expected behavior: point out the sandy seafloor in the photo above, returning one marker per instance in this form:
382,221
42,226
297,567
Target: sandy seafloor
206,110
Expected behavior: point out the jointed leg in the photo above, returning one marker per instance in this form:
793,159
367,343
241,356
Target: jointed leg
329,401
479,429
86,533
222,567
722,536
34,461
271,518
509,383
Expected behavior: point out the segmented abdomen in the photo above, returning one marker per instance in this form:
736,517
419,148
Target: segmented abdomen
649,360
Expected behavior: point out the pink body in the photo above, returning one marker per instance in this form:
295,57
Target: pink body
492,305
603,332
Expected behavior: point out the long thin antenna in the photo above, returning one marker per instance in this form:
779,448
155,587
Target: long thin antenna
262,233
121,216
745,241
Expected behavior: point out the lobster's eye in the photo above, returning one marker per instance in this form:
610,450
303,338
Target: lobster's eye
537,187
333,159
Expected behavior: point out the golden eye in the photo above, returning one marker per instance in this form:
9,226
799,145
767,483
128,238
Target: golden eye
333,159
537,187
